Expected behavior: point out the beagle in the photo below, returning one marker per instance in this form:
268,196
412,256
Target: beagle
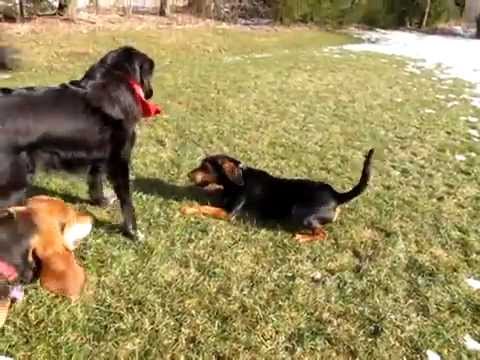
46,229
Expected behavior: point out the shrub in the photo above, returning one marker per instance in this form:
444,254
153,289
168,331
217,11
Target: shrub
378,13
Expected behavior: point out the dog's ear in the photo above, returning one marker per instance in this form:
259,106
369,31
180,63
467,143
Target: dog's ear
61,274
233,172
145,67
114,98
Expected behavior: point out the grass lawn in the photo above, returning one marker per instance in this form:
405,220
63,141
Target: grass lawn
387,284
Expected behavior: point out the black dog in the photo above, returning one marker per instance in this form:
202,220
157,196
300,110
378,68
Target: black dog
87,123
304,203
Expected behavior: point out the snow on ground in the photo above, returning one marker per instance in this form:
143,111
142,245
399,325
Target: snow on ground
457,56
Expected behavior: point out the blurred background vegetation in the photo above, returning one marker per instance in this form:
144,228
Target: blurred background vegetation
375,13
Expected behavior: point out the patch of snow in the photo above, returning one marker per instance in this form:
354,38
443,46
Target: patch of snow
429,111
457,57
432,355
471,344
441,97
460,157
259,56
452,103
473,283
231,59
472,119
413,70
474,132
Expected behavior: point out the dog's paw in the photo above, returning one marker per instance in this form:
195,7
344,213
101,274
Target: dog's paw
130,233
319,235
190,210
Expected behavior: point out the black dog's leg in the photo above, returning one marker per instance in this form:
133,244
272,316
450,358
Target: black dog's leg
235,206
95,186
13,179
118,173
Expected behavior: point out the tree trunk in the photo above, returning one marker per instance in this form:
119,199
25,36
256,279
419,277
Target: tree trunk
164,8
427,12
472,10
477,35
21,11
128,4
72,9
62,7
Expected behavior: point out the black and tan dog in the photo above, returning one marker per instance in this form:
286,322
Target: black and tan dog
305,204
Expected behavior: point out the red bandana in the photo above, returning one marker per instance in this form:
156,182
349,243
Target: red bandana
7,271
149,109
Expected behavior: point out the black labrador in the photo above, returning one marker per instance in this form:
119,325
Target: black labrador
87,123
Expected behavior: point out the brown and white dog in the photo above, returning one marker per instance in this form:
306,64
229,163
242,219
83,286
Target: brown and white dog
49,229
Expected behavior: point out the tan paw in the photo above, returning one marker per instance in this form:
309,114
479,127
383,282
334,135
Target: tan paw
190,210
319,235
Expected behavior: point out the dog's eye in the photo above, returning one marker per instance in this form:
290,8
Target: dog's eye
62,227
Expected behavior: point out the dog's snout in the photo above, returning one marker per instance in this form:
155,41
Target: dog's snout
148,93
197,177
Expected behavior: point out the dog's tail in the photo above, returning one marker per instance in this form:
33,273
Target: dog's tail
362,184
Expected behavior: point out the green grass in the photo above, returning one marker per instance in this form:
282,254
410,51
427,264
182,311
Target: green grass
392,271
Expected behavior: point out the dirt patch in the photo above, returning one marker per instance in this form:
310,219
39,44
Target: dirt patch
87,21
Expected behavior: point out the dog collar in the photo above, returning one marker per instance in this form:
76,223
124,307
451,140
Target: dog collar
149,109
7,271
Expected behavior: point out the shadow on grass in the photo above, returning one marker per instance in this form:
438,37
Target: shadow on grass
165,190
168,191
73,199
40,190
158,187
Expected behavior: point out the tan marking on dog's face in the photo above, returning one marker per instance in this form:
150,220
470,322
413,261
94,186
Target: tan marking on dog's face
204,175
73,225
